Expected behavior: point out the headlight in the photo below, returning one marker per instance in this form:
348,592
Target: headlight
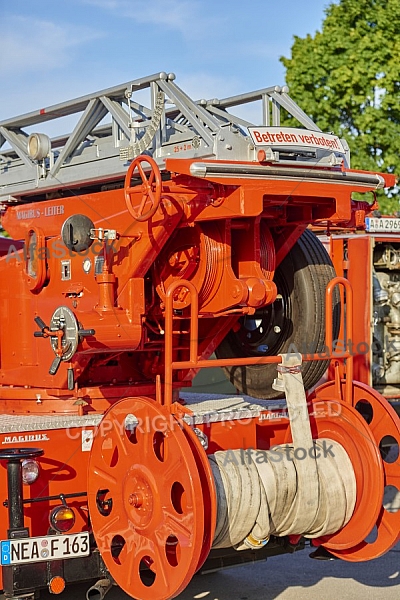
62,518
39,146
30,471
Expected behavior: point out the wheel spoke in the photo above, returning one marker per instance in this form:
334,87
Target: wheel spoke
381,427
173,466
151,196
142,203
141,172
131,571
111,526
175,525
105,475
147,455
392,472
391,525
121,440
159,562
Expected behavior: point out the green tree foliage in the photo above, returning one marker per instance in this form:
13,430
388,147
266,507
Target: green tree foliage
347,79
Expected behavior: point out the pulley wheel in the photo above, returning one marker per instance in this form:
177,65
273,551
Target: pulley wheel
209,491
146,500
384,427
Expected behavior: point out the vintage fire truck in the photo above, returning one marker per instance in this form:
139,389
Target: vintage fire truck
162,230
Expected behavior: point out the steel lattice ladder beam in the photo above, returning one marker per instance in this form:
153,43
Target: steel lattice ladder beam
97,153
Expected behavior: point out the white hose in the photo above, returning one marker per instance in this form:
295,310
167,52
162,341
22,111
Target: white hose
307,488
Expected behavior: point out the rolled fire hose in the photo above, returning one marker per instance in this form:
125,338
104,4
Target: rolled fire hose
307,488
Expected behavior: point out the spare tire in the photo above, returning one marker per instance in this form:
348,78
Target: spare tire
294,322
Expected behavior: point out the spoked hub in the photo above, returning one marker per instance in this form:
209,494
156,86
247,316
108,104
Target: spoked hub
147,497
371,437
266,330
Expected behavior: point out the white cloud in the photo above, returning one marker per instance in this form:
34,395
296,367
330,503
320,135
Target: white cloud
189,17
30,44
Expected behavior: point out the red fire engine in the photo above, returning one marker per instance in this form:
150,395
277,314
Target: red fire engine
159,231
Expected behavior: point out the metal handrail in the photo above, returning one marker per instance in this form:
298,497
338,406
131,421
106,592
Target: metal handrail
194,363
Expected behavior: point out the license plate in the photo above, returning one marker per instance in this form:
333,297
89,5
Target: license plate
51,547
382,224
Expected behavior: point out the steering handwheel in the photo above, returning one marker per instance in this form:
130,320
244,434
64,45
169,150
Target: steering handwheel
149,191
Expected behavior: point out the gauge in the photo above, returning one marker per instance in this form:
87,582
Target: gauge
63,318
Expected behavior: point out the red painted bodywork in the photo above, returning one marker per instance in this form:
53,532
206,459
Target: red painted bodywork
205,231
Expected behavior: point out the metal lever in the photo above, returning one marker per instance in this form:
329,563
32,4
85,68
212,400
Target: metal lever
54,365
47,332
86,332
39,334
65,334
40,323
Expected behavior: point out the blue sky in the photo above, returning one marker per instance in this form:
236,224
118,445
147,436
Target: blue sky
58,50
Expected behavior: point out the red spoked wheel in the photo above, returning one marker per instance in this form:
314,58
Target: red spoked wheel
143,200
146,500
383,426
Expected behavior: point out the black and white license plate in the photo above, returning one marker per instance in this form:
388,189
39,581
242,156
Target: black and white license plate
382,224
51,547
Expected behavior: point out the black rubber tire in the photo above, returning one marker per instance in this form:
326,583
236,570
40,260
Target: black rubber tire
301,279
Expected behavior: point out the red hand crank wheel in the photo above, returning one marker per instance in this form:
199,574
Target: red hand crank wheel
146,500
143,200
